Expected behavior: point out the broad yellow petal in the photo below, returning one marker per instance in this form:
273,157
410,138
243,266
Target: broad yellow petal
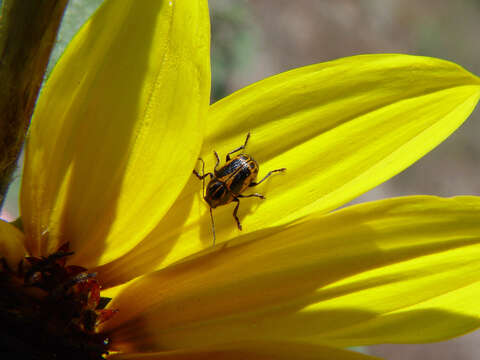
340,128
375,272
117,128
11,244
252,351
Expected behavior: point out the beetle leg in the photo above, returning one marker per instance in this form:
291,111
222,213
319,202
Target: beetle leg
203,176
218,161
266,176
235,214
239,148
252,195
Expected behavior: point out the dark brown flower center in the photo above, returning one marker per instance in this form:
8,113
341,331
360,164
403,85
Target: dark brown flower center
50,310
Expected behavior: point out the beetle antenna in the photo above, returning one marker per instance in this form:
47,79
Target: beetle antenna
213,226
203,176
246,140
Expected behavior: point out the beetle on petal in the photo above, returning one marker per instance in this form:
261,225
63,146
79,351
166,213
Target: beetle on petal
228,182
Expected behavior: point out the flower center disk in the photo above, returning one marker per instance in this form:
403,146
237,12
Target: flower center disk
50,310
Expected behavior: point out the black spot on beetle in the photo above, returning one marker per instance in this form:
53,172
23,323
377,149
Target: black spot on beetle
216,190
239,179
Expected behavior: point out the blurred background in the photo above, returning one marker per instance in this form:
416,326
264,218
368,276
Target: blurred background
253,39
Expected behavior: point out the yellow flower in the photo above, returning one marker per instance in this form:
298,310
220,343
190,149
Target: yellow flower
117,132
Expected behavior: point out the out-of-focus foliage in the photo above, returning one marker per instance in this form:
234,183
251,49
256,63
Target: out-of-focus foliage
233,37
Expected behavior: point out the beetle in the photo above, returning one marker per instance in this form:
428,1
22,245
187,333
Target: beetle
228,182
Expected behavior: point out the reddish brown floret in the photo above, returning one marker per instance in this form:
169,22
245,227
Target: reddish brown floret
52,310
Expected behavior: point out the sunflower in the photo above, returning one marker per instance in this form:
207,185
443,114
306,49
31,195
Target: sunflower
108,186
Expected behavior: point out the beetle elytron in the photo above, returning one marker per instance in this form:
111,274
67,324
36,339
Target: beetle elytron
229,182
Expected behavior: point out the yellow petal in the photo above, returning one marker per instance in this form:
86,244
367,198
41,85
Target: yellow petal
340,128
117,128
11,244
397,270
252,351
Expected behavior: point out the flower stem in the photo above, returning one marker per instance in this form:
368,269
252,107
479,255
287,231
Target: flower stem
27,34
